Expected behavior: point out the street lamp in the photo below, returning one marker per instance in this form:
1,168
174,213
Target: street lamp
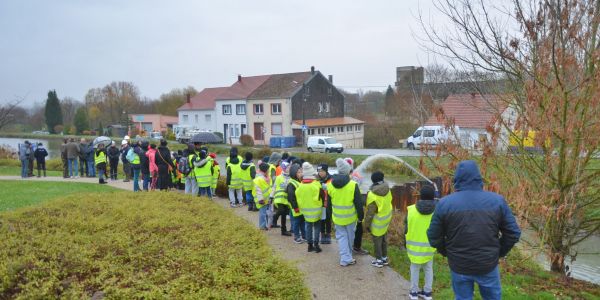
305,95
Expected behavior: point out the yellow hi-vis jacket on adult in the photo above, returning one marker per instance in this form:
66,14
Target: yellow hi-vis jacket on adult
236,175
309,200
203,174
280,195
99,158
417,244
246,176
382,219
216,174
261,191
343,211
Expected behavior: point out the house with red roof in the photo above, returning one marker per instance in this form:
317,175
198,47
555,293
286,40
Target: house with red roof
472,113
199,111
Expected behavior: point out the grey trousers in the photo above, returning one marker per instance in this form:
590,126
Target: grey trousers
414,276
380,243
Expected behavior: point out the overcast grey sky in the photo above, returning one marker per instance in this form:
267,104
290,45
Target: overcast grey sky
72,46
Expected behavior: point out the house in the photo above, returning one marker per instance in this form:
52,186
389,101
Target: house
231,107
199,111
146,123
346,130
472,113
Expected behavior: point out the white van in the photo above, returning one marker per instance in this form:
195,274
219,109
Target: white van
431,135
323,144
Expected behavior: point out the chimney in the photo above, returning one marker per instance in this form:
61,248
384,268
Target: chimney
331,79
312,70
239,77
188,97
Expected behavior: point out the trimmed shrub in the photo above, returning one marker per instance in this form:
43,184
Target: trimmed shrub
138,246
246,140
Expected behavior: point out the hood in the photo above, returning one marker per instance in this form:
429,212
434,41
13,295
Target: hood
275,158
294,170
246,164
233,152
380,189
426,207
467,176
234,160
339,181
324,179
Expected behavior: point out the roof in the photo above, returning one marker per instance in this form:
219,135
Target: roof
469,110
242,88
329,122
281,86
205,100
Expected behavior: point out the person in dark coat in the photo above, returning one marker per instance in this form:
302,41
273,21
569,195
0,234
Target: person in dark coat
40,155
63,157
473,228
113,160
126,164
83,167
165,164
89,156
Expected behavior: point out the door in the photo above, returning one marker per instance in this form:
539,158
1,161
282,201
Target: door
321,145
258,131
298,134
225,133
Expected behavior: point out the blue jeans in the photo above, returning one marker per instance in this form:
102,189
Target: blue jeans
345,239
91,168
298,227
136,178
250,200
101,174
262,217
205,191
73,168
146,181
489,285
24,168
313,232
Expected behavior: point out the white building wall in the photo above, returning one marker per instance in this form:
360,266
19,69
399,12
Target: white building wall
351,139
237,124
200,119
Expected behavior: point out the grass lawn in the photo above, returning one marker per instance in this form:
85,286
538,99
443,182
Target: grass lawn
521,278
17,193
138,246
16,171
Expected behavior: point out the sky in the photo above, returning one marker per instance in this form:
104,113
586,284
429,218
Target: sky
73,46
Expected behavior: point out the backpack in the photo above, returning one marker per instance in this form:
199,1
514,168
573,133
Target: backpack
184,166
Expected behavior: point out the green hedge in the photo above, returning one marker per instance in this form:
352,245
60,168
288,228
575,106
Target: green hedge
138,246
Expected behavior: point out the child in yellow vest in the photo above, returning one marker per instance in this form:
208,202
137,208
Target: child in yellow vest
418,248
261,191
309,195
379,216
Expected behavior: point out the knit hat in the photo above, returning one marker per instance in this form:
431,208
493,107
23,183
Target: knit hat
285,156
213,155
350,161
308,170
265,159
343,167
427,192
323,167
285,167
40,144
263,167
294,170
124,142
377,177
275,158
233,152
202,154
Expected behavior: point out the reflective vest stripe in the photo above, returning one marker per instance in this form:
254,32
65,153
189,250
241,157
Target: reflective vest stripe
415,253
344,216
343,206
280,196
383,217
342,203
417,244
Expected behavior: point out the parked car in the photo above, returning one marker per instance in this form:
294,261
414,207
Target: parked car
41,132
431,135
156,135
323,144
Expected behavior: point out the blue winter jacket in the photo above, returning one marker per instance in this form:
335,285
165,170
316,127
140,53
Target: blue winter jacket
472,227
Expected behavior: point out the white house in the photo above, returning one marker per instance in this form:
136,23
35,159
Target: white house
199,111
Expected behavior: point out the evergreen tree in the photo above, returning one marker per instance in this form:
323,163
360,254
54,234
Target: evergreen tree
53,112
81,120
391,108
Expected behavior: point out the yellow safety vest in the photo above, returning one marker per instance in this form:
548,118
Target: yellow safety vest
280,196
190,162
309,202
227,161
260,184
216,175
343,211
236,175
417,244
272,170
382,219
100,158
295,183
136,158
247,178
203,174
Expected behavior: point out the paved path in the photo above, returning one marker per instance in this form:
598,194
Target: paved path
323,275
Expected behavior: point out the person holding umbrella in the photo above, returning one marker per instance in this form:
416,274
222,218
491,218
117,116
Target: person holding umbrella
101,160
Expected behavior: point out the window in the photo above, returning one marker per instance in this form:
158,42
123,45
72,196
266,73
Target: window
243,127
240,109
321,142
330,129
320,130
258,109
428,133
185,119
276,108
311,132
227,109
340,128
349,128
326,106
357,128
207,118
196,118
276,129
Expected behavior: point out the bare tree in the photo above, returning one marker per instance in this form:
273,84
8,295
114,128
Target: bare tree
7,111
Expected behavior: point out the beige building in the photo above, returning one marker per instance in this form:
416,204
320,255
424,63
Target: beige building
269,118
347,131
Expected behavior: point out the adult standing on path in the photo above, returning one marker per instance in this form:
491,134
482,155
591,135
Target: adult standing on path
40,154
83,169
73,158
24,154
473,228
113,159
126,164
63,156
164,161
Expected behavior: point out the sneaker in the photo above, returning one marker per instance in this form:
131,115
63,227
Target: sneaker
352,262
286,233
69,177
413,296
426,296
377,263
232,205
298,241
385,260
360,251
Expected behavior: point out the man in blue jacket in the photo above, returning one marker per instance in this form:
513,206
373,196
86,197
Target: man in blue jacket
473,228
